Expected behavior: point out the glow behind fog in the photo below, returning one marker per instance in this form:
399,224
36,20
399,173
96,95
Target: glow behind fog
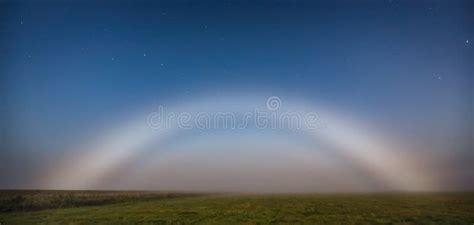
380,158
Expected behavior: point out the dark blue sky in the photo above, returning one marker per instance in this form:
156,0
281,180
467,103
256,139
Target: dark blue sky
67,67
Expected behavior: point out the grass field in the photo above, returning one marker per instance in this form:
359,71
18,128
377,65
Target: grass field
60,207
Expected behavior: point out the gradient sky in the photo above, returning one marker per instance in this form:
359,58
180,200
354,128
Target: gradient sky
72,71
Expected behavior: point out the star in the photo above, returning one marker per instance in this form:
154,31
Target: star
144,54
162,64
113,58
467,41
21,22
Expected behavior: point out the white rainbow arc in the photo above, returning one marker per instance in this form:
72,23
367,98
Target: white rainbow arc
351,139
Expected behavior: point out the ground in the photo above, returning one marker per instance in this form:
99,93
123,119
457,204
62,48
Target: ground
361,208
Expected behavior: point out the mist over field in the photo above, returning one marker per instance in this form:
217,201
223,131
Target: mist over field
237,112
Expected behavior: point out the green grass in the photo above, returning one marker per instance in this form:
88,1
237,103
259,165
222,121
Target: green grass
388,208
30,200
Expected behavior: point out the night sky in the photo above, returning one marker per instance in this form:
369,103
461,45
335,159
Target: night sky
72,71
